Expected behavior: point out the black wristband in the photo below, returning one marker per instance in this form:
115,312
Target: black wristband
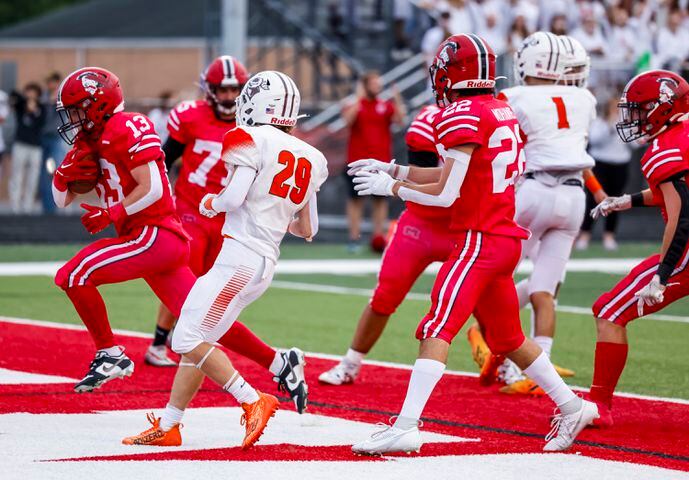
664,272
638,199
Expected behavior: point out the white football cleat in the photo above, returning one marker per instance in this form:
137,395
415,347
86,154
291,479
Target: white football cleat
389,439
509,372
567,427
341,374
156,355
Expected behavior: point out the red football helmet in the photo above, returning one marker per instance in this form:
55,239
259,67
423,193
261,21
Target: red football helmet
463,61
224,71
651,101
85,100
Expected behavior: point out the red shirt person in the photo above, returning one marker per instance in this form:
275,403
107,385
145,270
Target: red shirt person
370,119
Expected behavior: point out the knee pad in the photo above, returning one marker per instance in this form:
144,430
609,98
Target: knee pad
184,340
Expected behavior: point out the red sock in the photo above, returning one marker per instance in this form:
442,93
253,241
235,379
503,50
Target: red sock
243,341
608,366
90,307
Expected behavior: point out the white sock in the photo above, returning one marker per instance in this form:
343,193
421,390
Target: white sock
543,373
241,390
424,377
171,416
546,343
277,363
353,357
115,351
523,292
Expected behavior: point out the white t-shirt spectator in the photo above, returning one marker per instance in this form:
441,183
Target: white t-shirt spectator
671,46
622,44
4,113
592,43
431,41
465,17
605,145
527,9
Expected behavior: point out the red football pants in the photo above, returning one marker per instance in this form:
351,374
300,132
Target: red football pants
415,244
620,306
206,236
477,278
155,254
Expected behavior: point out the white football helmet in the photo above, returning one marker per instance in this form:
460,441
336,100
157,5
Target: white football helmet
269,98
540,55
578,64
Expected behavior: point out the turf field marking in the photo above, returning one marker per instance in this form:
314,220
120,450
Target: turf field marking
325,356
319,288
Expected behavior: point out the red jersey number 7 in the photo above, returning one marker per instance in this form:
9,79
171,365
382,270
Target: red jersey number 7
298,169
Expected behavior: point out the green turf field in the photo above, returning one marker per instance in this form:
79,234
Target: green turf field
324,322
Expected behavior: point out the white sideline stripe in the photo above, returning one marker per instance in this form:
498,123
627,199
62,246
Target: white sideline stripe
323,356
352,267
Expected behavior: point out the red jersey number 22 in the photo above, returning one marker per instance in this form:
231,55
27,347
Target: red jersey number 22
298,169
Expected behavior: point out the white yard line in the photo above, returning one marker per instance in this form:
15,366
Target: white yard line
350,266
325,356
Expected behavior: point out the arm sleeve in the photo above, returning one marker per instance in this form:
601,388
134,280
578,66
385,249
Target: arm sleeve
422,159
679,242
313,214
239,149
452,187
154,194
231,198
172,150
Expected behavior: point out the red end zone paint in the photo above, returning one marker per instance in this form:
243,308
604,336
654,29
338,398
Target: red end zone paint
648,432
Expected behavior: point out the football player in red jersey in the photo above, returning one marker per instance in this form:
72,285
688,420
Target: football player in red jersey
135,196
478,138
196,130
654,108
420,238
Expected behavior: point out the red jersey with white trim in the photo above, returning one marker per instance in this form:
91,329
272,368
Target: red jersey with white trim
667,155
486,199
420,138
129,141
195,125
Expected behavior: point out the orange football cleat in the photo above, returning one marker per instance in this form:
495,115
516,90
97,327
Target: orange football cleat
489,371
563,372
256,416
479,347
523,387
155,435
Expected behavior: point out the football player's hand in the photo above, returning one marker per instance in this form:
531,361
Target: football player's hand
206,206
651,294
372,165
612,204
95,219
72,169
373,183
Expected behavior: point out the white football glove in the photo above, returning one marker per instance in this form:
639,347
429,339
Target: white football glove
612,204
373,183
399,172
206,206
651,294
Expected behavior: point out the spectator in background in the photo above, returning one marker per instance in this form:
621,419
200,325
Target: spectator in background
518,32
612,157
54,149
672,43
4,113
434,37
591,36
465,16
27,154
160,113
558,24
370,120
528,9
495,26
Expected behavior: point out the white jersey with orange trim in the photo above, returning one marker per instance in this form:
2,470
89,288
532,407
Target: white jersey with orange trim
288,172
555,120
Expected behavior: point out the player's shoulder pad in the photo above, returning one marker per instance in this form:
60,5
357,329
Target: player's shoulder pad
458,123
186,111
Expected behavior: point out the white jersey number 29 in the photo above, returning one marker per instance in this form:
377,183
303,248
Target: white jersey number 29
507,165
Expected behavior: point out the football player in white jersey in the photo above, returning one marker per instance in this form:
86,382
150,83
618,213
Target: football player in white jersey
272,191
555,112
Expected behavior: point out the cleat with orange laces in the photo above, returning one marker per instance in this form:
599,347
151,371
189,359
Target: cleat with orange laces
525,386
479,347
155,435
256,416
489,370
563,372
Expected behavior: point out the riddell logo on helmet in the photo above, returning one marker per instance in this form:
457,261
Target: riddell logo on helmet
479,84
286,122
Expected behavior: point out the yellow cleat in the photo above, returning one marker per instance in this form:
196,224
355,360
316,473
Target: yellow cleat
479,347
523,387
156,436
563,372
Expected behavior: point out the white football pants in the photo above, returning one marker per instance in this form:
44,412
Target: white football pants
238,277
554,215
